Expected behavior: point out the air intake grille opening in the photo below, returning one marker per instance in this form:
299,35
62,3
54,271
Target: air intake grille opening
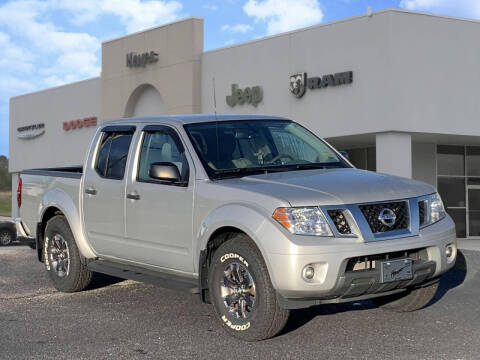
422,211
341,223
370,262
372,213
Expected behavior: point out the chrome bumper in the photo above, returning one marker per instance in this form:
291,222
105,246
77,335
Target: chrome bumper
23,235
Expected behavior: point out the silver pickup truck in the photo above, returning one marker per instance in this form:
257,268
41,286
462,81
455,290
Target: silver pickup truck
254,213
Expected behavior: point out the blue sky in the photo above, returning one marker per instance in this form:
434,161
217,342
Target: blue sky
45,43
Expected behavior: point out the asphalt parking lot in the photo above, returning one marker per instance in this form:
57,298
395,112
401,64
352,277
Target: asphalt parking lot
129,320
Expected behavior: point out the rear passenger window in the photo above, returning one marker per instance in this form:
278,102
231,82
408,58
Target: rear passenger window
113,153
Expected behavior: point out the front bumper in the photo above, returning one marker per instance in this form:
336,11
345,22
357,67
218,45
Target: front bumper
335,280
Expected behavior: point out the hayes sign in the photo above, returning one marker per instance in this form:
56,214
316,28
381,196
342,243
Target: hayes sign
248,95
300,82
141,60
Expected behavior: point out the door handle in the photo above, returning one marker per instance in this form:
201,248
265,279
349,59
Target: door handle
90,191
133,196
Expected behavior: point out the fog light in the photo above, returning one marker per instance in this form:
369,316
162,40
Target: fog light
308,272
450,253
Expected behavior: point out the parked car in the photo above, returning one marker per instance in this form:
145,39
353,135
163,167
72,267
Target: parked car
254,213
7,233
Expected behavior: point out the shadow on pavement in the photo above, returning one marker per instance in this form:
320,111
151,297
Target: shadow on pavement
299,318
455,277
102,280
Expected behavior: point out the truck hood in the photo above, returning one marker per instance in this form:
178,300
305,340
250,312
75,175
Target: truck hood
331,186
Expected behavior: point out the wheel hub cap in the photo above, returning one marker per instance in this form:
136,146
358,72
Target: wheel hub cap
5,238
238,290
59,256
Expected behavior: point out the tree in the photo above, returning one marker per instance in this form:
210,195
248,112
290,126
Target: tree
5,177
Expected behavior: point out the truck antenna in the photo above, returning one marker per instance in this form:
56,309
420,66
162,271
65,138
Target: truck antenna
216,123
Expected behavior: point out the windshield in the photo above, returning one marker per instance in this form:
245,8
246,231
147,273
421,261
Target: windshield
239,147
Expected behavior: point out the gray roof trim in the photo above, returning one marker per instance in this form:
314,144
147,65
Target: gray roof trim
190,119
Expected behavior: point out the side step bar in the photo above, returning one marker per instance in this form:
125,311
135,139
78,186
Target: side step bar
144,275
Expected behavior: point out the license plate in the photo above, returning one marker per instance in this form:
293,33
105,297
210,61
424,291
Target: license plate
395,270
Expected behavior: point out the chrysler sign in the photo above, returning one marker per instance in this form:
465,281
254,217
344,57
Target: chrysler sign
300,82
31,131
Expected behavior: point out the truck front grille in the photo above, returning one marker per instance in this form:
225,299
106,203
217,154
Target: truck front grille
372,215
422,212
341,223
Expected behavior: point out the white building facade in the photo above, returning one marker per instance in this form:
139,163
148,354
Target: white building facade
398,90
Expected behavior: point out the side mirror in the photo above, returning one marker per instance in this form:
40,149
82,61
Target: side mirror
164,171
344,154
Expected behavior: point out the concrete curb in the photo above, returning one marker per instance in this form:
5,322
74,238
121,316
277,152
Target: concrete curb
466,244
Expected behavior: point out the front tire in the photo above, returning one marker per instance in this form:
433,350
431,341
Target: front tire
62,258
242,294
408,301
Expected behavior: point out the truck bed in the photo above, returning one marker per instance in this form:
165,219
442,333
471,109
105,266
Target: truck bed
44,186
68,172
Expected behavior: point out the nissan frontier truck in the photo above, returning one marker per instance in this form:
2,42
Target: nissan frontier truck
256,214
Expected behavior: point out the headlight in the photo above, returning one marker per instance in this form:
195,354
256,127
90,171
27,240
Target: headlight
434,210
303,221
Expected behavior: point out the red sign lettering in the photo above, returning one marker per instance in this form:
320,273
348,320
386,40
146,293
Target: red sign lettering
80,123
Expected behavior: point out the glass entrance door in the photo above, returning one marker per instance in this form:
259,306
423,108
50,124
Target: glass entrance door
473,194
458,182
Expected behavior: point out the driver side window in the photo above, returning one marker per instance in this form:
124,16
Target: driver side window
161,146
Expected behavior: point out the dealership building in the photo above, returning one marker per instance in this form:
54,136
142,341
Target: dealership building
398,90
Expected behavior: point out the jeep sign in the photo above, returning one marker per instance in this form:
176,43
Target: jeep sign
248,95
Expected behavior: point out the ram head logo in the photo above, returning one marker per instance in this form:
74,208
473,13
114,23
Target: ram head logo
297,84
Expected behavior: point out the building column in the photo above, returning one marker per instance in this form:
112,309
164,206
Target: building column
15,212
394,153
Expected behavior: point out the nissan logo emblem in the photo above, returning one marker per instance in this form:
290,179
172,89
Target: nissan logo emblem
387,217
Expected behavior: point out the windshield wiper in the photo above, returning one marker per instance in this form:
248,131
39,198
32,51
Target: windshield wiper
318,165
241,171
280,168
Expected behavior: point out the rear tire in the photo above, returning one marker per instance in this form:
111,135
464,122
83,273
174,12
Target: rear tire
62,258
242,294
408,301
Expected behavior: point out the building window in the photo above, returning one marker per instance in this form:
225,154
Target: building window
458,182
363,158
450,160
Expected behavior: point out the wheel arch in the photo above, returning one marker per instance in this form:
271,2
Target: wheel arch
217,229
58,202
216,239
48,213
